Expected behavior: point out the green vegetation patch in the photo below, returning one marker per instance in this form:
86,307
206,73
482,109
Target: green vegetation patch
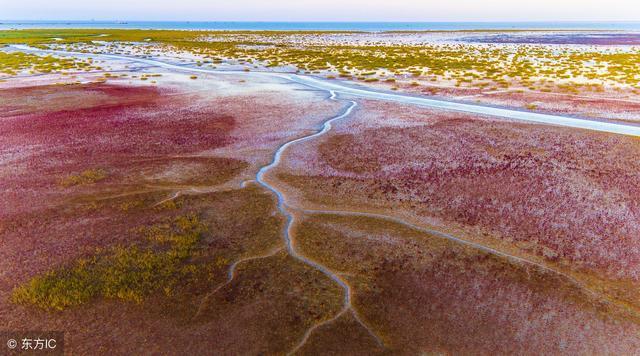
88,176
124,273
465,64
11,63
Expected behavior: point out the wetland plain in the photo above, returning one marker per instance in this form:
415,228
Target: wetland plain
321,192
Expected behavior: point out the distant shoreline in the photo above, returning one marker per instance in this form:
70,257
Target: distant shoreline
327,26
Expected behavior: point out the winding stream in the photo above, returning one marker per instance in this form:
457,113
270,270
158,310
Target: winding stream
290,243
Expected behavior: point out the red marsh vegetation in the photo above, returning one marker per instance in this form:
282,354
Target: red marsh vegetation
424,294
565,196
123,210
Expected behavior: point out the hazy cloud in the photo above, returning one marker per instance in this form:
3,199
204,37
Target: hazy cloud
322,10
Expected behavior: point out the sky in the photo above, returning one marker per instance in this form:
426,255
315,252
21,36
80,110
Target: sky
322,10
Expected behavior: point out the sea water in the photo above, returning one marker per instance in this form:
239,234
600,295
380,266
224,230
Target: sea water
323,26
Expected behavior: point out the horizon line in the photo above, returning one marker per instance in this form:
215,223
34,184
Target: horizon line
330,21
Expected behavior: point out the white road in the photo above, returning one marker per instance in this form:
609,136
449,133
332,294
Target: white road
341,88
